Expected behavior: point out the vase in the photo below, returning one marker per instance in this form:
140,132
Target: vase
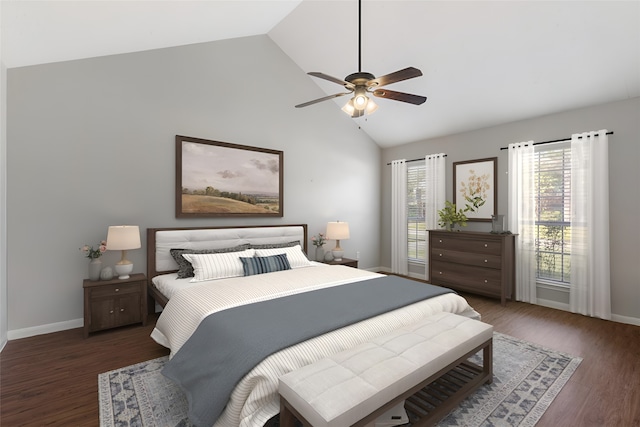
319,253
106,273
95,265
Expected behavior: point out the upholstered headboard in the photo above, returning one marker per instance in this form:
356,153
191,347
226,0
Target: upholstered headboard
161,240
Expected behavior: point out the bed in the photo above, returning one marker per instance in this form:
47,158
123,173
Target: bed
187,303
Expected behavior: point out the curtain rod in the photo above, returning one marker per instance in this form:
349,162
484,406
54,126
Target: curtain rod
414,160
555,140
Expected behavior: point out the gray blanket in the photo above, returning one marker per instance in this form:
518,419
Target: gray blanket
228,344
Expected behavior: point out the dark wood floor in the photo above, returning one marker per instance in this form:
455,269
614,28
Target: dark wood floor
51,380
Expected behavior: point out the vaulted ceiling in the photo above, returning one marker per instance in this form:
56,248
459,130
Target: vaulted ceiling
484,63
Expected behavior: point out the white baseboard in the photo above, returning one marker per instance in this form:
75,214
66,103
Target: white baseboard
45,329
552,304
565,307
625,319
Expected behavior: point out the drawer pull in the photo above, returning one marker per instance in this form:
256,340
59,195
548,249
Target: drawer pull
121,310
486,281
110,311
440,272
486,260
439,254
485,245
117,289
440,240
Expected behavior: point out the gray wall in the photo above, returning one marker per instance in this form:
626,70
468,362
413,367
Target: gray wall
624,174
91,144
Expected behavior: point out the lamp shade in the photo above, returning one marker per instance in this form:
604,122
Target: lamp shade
123,237
337,230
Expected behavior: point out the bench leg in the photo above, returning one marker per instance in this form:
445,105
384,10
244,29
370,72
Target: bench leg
487,361
287,419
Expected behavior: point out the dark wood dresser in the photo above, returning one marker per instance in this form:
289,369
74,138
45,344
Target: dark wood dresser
475,262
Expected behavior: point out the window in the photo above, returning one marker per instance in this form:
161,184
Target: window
552,174
416,225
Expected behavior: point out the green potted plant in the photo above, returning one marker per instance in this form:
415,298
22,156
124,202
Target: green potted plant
450,217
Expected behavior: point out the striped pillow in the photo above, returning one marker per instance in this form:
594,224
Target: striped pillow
217,266
264,264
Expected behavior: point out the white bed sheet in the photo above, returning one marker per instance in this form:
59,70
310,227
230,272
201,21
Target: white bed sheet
255,398
169,284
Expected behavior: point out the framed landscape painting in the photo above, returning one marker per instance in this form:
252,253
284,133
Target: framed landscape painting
475,187
219,179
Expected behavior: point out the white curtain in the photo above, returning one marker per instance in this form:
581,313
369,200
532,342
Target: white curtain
590,280
521,218
399,256
435,187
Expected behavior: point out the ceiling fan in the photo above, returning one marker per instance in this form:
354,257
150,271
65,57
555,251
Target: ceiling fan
361,84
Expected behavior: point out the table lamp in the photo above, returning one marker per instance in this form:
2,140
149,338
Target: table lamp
123,238
337,231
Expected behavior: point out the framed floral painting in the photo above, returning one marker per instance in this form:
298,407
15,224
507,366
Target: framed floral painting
475,188
219,179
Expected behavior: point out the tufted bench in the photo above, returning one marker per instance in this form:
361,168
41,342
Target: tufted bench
356,386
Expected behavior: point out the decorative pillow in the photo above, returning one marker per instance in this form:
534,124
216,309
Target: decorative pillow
217,266
185,269
296,257
275,245
264,264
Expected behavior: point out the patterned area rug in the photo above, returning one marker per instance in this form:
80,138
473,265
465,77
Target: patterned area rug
527,378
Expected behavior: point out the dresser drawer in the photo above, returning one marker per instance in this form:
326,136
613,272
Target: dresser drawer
455,243
468,258
488,280
115,290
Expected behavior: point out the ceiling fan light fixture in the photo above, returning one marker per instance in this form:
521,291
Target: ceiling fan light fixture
349,108
360,99
371,107
360,104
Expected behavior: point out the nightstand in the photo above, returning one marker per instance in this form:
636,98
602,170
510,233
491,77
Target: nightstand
112,303
345,261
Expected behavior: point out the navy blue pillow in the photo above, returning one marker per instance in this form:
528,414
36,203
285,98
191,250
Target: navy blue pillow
264,264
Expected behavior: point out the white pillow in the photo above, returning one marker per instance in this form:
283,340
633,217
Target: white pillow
296,257
217,266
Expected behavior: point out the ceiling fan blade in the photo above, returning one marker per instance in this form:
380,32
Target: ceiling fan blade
400,96
332,79
398,76
315,101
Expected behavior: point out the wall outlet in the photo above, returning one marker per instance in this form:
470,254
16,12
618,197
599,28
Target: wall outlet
357,254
